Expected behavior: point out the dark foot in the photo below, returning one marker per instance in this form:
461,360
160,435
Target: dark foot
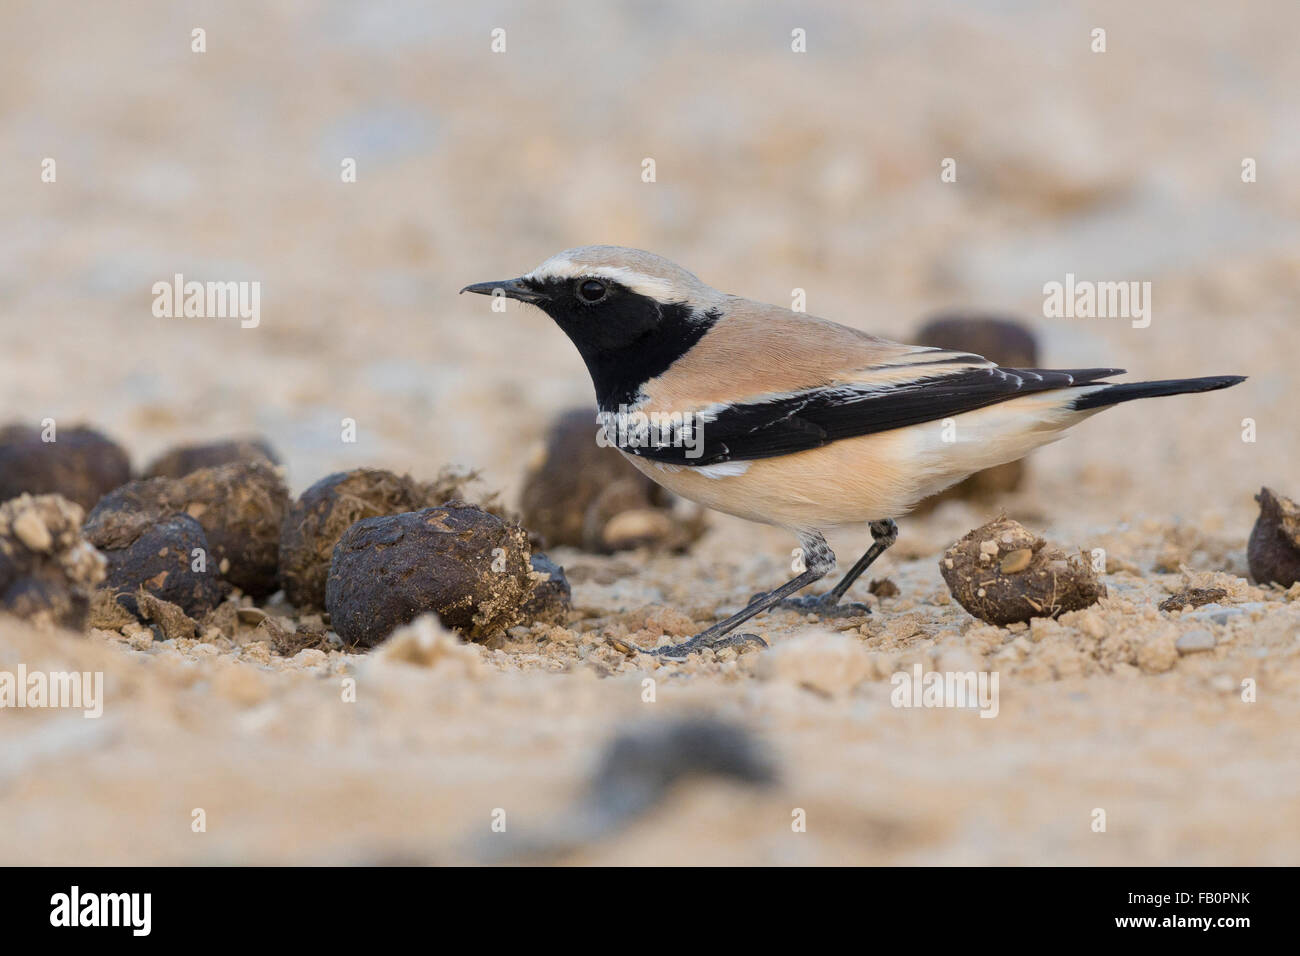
701,642
823,605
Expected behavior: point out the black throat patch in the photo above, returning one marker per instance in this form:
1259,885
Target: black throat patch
619,373
625,340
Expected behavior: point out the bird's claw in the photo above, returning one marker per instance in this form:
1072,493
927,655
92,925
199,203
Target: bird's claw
680,652
823,606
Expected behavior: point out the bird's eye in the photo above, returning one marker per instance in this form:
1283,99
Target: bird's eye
589,290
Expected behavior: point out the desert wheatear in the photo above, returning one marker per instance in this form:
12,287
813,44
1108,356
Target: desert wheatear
788,419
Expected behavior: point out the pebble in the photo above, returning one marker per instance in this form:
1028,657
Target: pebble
1218,614
1193,641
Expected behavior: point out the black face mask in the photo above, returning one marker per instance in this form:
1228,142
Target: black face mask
625,338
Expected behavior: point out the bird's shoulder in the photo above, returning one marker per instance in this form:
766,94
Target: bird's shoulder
766,381
755,349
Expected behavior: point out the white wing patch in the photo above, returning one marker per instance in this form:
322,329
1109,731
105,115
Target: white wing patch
725,469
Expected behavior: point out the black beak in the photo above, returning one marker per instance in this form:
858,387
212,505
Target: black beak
510,288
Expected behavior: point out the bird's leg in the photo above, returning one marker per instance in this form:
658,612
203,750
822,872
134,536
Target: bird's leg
818,560
883,534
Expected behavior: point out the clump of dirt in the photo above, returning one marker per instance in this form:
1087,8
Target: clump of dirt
171,620
185,459
580,494
316,521
240,507
1193,597
426,643
167,558
1274,547
883,588
821,661
463,563
1002,574
48,571
81,464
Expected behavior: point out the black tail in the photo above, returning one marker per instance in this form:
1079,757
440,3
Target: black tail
1126,392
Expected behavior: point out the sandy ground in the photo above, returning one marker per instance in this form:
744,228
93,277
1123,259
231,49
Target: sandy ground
775,170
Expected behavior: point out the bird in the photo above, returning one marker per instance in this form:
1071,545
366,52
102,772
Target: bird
787,419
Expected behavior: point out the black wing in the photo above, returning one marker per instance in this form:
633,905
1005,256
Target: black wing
819,416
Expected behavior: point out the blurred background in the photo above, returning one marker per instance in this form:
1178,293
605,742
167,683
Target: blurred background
774,170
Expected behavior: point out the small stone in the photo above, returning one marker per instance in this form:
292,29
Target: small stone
252,616
1016,561
31,531
1216,614
1193,641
